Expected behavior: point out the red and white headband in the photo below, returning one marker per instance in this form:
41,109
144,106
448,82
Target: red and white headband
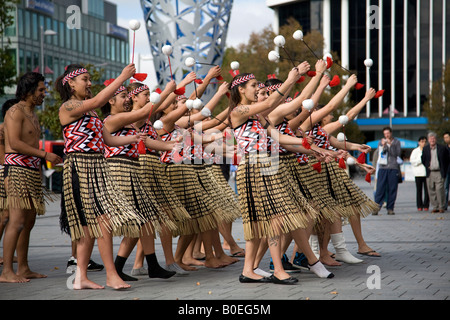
138,90
73,74
121,88
274,87
242,80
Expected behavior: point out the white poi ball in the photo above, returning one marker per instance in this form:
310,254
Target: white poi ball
197,104
308,104
189,62
155,97
206,112
189,104
234,65
298,35
368,62
273,56
167,49
341,137
158,125
350,161
279,41
134,24
343,120
327,55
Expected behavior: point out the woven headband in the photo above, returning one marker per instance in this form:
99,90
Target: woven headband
274,87
261,85
73,74
242,80
121,88
137,90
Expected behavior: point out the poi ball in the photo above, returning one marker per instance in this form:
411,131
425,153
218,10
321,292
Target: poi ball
134,24
308,104
197,104
273,56
189,62
279,41
350,161
206,112
343,120
234,65
158,125
341,137
368,62
189,104
155,97
167,49
327,55
298,35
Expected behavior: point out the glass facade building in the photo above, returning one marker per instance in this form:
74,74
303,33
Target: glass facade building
406,39
86,32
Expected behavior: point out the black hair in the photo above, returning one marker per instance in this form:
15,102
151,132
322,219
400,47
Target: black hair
28,84
64,90
271,82
422,138
387,128
8,104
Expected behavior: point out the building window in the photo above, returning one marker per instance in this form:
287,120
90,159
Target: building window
85,41
21,61
108,48
20,22
10,31
34,25
55,28
91,43
61,34
68,36
28,64
97,45
27,25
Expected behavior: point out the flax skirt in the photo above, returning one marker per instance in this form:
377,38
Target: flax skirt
192,185
156,182
127,175
23,189
3,204
269,201
348,195
91,197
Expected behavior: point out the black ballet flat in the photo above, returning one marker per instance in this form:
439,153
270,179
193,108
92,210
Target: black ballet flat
244,279
290,280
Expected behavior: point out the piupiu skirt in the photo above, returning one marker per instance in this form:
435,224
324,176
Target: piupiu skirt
156,182
223,193
269,201
91,197
348,193
192,185
126,172
315,189
3,204
24,189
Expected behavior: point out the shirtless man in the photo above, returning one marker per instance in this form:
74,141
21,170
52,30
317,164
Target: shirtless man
23,182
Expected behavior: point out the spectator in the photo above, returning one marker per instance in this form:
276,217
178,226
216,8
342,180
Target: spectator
420,174
435,158
388,173
447,180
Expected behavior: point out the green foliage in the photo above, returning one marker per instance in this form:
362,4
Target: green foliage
437,106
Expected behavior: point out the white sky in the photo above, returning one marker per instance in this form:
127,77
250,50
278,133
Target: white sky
247,16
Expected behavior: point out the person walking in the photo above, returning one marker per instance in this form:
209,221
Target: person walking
388,173
447,179
420,174
435,158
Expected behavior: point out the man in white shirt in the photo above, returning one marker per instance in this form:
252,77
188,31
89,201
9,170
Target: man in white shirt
420,174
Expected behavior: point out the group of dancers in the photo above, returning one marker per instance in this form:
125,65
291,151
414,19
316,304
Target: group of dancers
152,167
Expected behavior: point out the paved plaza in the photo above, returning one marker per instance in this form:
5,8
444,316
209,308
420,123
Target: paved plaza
415,264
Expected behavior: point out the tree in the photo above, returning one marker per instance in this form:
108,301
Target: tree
437,108
7,63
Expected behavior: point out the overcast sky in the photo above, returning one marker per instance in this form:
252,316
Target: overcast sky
247,16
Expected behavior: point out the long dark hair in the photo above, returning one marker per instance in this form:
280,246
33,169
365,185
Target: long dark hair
235,96
8,104
64,90
28,84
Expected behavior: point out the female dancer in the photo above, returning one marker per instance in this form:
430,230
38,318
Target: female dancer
92,206
268,207
124,164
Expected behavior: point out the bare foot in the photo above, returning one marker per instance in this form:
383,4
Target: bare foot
11,277
227,260
86,284
329,261
116,283
193,262
214,263
186,267
32,275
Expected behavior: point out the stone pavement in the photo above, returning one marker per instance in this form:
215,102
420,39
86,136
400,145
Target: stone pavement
415,250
